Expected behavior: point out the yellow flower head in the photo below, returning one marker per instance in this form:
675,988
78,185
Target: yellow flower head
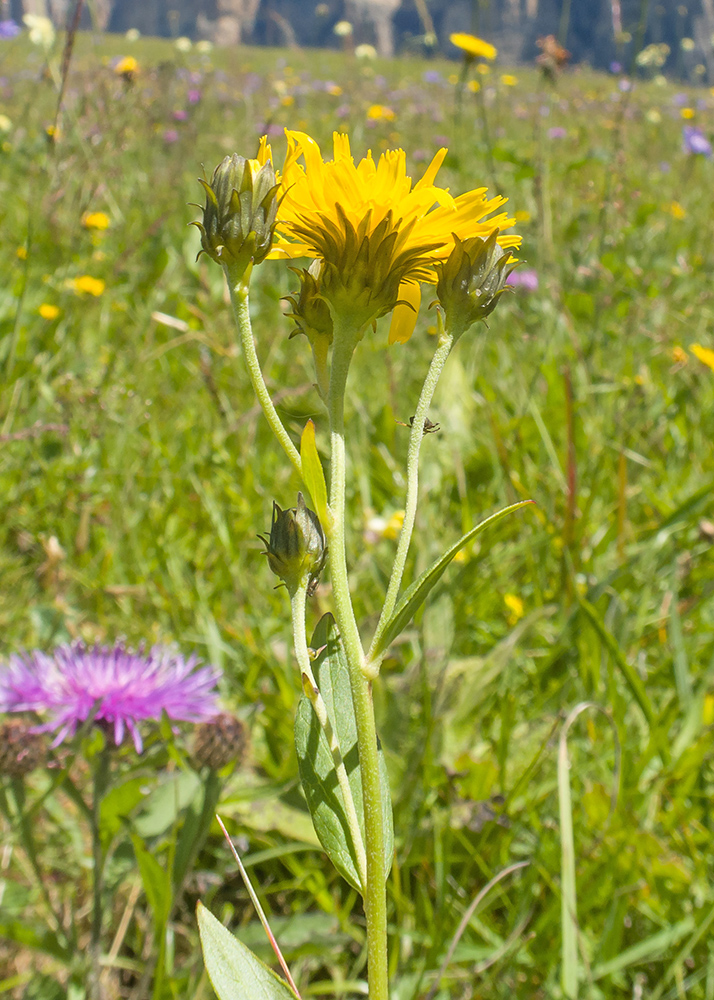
127,67
473,47
377,234
705,354
87,285
96,220
48,311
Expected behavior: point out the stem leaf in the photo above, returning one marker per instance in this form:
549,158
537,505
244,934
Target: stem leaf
235,972
416,594
317,771
312,473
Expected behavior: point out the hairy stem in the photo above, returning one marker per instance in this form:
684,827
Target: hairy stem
312,692
375,895
415,439
238,285
101,777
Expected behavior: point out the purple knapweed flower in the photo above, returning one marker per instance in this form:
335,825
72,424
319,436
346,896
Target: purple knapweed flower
525,278
8,29
694,141
116,686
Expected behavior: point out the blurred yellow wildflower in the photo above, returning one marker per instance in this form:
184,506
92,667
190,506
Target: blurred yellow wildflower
48,311
705,354
379,112
41,29
515,606
474,86
87,285
127,67
96,220
522,216
687,112
377,234
676,210
21,253
509,81
483,68
679,355
473,47
334,89
5,123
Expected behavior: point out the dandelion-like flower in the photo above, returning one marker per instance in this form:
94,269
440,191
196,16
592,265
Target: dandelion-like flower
377,234
473,47
114,685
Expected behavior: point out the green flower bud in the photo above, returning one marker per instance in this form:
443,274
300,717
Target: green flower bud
296,548
239,216
472,280
309,309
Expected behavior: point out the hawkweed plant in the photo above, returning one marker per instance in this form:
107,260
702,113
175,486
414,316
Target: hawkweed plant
372,239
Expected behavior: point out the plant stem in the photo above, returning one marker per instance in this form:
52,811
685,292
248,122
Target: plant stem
375,894
436,367
312,692
238,286
101,775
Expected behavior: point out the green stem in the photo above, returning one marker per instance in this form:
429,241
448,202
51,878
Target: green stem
238,285
101,776
375,894
312,692
416,437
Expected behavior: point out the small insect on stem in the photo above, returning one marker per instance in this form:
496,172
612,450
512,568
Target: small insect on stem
429,427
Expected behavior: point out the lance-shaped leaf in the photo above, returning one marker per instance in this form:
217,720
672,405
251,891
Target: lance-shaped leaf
235,972
416,594
312,474
317,769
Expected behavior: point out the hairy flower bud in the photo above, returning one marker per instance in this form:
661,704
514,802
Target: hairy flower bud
296,548
21,749
241,207
219,741
309,309
472,280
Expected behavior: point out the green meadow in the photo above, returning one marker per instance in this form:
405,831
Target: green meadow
553,704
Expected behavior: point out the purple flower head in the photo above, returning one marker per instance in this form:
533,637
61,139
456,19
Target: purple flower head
615,67
194,96
8,29
114,685
694,141
171,135
432,76
557,132
180,115
526,278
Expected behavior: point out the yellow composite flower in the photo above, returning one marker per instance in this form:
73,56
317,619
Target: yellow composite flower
96,220
377,234
473,47
705,354
48,311
128,66
85,284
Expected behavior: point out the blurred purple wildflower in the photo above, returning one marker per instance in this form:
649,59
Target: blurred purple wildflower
557,132
180,115
194,96
8,29
615,67
171,135
114,685
432,76
524,278
694,141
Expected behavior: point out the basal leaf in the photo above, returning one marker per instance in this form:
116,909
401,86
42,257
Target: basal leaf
317,771
235,972
417,593
312,472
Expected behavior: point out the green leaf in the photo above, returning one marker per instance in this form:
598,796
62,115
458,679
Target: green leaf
317,771
156,882
417,593
234,971
312,473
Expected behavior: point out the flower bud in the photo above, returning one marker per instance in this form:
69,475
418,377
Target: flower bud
219,741
472,279
296,548
309,309
21,749
239,216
